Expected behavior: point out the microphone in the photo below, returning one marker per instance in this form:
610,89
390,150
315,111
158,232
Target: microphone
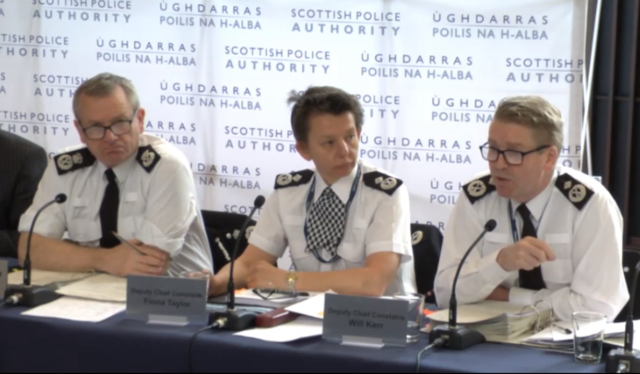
231,319
460,337
25,294
626,360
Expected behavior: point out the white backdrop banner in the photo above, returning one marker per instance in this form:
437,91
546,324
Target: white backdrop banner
214,78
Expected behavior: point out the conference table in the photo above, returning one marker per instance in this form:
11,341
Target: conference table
119,344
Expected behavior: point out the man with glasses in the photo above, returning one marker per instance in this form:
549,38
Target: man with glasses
558,240
122,185
346,223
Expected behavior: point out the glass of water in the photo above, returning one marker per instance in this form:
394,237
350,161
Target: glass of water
414,314
588,331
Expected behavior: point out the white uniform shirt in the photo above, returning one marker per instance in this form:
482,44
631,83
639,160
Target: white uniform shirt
376,222
159,207
587,274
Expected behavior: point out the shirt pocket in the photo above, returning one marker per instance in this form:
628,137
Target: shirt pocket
561,270
85,233
80,208
353,246
294,234
494,242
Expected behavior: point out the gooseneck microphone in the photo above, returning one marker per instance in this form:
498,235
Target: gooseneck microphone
25,294
232,319
460,337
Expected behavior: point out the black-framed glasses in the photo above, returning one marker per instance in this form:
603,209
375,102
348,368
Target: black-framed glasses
273,294
121,127
511,157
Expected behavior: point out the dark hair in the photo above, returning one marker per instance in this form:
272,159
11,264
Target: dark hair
321,100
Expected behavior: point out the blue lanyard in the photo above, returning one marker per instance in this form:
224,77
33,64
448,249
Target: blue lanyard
514,228
311,195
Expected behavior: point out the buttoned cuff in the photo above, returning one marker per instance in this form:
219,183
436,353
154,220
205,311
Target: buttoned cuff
521,296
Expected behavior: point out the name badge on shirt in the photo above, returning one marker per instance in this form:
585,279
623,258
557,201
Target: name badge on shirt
365,321
167,301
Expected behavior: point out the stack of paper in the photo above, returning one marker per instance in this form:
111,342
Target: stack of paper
556,337
103,287
77,310
498,321
45,277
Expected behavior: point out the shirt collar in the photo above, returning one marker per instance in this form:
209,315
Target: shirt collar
123,170
538,204
342,187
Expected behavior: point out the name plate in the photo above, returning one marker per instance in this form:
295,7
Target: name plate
365,321
167,301
4,277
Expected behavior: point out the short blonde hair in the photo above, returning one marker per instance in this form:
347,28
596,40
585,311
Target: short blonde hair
103,85
536,113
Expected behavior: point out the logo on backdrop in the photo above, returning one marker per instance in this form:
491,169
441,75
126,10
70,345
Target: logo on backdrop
345,22
415,149
490,26
376,106
431,67
85,11
544,70
259,139
1,10
34,46
35,123
53,85
240,98
462,109
277,60
146,52
218,16
174,132
227,176
3,78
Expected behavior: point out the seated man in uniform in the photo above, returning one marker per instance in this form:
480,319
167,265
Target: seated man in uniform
22,164
558,241
122,181
346,223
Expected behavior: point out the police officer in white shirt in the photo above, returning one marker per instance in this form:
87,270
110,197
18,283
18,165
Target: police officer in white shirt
123,181
347,223
558,241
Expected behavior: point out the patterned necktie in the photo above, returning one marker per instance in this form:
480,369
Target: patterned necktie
109,211
326,224
531,280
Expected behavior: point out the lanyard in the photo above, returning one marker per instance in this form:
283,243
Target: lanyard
514,228
311,195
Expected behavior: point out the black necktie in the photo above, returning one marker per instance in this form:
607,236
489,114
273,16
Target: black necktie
109,211
531,280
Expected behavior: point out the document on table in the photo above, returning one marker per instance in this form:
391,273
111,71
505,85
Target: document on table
45,277
303,327
74,309
103,287
312,307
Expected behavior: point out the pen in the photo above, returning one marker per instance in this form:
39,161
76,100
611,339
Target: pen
566,331
123,241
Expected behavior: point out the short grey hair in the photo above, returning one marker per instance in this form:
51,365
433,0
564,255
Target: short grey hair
536,113
103,85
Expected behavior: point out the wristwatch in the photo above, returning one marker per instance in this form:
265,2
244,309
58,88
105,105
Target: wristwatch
292,277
